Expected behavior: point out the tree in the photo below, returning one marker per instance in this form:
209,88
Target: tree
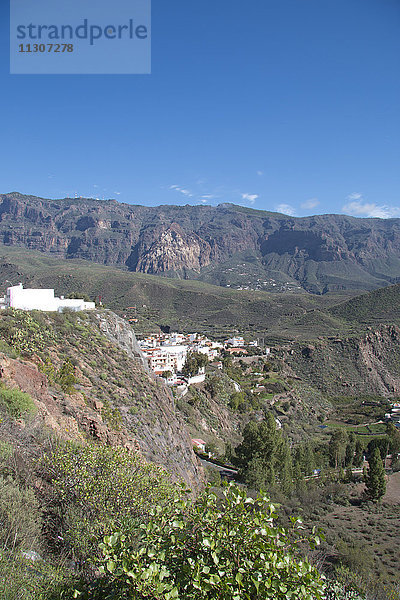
350,450
358,454
285,468
237,401
259,440
194,362
337,448
79,296
382,443
213,548
374,476
298,478
166,374
394,438
304,457
262,457
229,455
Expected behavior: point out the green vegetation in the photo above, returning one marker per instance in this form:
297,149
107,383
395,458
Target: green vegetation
376,307
27,570
20,516
193,363
17,404
82,492
184,305
158,541
66,377
97,489
264,457
227,548
24,332
374,477
361,538
189,305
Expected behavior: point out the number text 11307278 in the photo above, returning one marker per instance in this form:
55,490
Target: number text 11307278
46,48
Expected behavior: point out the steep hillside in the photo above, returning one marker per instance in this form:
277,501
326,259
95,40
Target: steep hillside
228,244
378,306
180,305
87,382
365,365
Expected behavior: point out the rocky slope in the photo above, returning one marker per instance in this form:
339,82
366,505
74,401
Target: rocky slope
321,253
114,399
366,365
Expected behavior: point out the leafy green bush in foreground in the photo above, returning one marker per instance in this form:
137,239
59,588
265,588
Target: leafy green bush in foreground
214,548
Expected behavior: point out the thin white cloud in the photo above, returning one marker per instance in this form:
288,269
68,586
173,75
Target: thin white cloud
358,208
250,197
354,196
286,209
309,204
260,173
183,191
117,193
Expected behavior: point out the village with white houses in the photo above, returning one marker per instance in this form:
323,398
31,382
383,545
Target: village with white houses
166,354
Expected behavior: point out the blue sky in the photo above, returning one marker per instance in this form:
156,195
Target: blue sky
289,105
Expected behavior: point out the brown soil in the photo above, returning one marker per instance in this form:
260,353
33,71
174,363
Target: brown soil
372,528
392,495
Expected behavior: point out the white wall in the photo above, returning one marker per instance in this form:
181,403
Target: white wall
74,304
17,297
196,379
31,299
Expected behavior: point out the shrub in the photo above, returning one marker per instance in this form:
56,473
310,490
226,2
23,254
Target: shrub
96,489
16,403
6,451
20,579
209,549
25,332
66,377
20,516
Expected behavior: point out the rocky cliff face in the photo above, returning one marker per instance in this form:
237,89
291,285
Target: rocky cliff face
121,334
172,250
321,253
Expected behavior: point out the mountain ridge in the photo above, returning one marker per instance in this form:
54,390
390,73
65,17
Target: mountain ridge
318,254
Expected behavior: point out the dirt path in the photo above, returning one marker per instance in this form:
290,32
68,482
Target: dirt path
392,495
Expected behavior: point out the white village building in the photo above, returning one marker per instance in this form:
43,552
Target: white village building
166,358
236,341
41,299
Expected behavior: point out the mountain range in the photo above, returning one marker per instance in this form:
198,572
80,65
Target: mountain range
227,245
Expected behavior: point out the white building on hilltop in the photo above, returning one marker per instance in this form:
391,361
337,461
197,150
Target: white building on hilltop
36,299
